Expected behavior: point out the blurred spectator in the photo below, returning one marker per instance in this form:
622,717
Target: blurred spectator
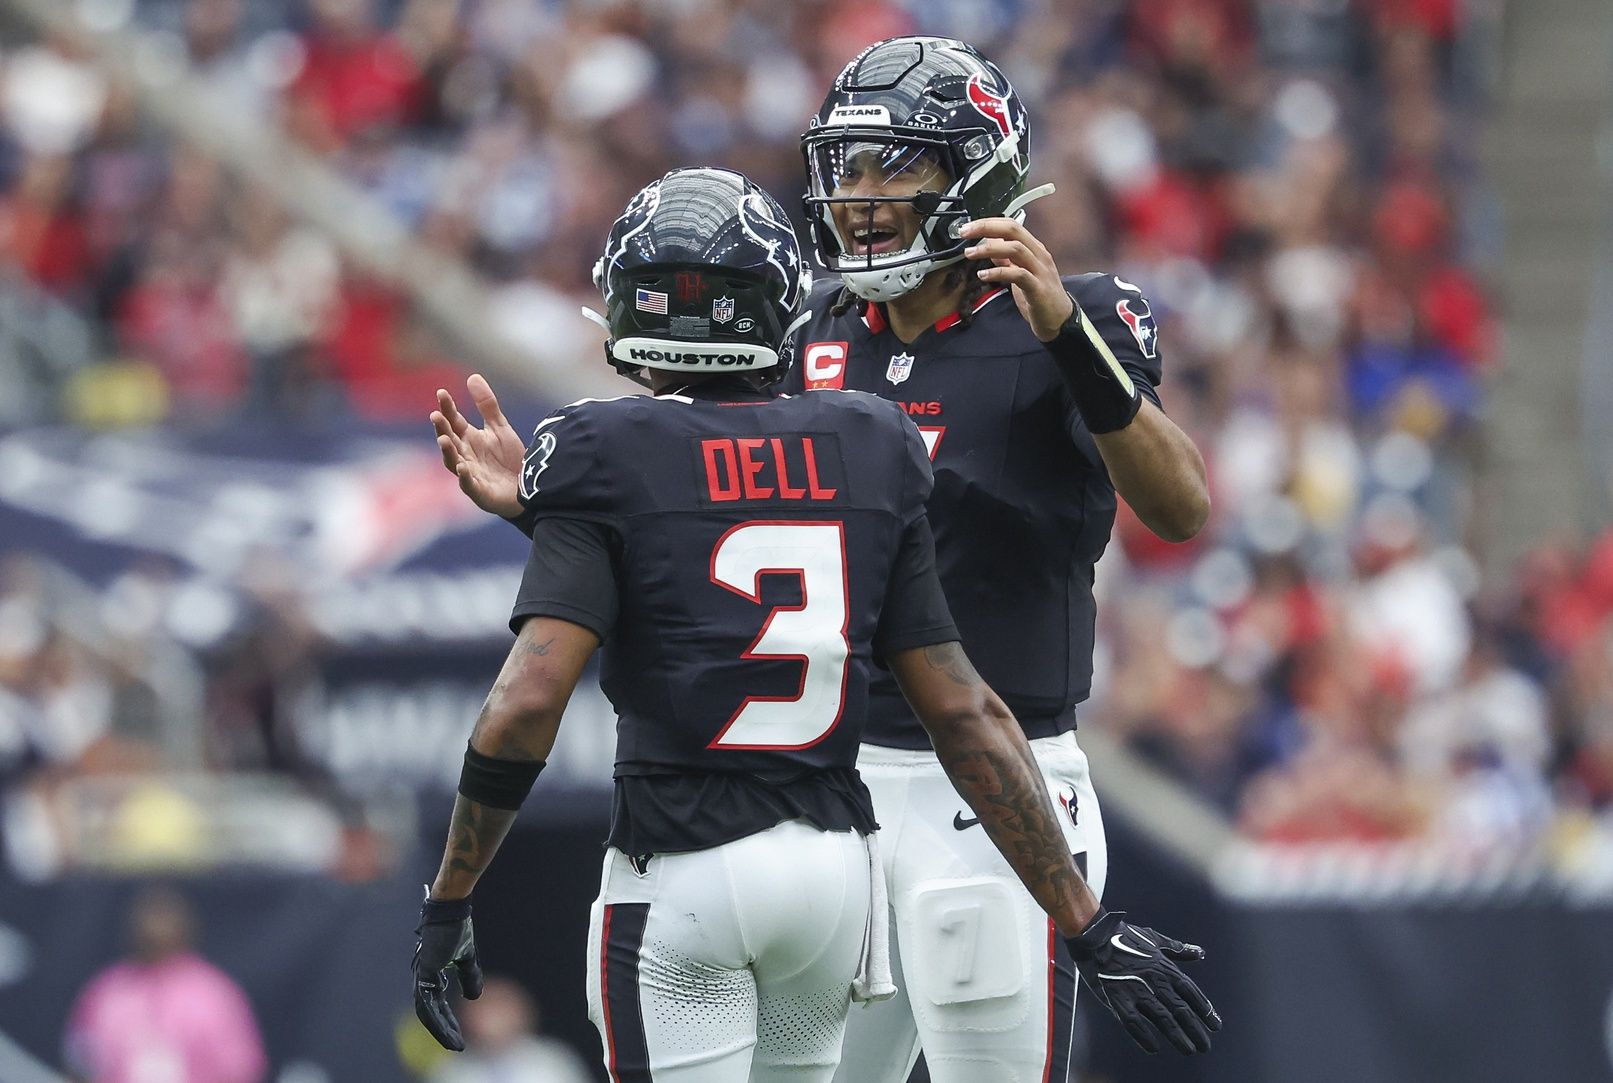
51,97
353,77
220,61
503,1043
164,1014
278,286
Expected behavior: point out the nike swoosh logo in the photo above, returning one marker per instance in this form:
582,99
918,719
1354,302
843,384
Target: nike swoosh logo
1123,946
961,824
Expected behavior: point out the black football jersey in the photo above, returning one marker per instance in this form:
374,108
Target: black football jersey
1022,505
745,559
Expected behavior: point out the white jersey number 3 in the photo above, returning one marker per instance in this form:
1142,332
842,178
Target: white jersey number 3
813,633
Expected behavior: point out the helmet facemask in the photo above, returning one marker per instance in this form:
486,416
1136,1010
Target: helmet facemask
852,175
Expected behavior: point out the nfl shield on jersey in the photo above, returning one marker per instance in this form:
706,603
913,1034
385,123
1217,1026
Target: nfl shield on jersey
900,368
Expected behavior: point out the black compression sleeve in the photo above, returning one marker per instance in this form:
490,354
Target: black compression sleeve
1103,391
497,783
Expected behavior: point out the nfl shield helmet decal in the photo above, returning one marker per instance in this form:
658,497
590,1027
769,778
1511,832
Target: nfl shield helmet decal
1140,318
722,309
900,368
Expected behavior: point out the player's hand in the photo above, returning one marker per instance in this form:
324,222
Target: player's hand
1022,262
446,940
486,460
1133,971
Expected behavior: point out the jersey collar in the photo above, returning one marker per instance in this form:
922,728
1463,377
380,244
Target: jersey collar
721,388
874,314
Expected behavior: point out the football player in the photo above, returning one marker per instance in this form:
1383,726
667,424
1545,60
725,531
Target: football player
749,562
1036,397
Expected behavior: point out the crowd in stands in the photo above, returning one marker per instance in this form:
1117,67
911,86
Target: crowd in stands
1291,184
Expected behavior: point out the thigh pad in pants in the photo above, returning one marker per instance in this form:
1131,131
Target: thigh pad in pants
963,946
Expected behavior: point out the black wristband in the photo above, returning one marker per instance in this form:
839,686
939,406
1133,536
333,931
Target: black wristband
435,911
1104,392
497,783
1084,946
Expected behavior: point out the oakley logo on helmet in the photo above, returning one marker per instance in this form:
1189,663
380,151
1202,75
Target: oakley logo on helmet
665,357
989,104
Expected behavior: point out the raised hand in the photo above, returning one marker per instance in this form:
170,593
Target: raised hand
1023,263
486,460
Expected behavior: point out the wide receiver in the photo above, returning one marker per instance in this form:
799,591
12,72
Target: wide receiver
749,561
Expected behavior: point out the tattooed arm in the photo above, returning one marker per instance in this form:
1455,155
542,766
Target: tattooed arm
985,753
518,723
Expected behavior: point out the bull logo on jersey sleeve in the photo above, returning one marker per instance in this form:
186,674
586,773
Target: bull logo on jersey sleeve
1140,318
537,461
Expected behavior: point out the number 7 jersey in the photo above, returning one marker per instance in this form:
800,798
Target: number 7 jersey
746,560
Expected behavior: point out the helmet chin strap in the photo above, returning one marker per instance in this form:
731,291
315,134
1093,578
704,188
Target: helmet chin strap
881,284
596,318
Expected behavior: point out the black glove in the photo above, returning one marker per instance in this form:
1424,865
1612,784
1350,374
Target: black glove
446,940
1133,971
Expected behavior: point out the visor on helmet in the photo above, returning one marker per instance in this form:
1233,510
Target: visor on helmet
864,168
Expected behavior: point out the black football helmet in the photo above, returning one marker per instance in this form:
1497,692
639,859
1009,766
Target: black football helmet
701,273
938,111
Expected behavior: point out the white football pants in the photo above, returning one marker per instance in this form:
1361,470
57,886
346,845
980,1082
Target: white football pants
987,986
732,964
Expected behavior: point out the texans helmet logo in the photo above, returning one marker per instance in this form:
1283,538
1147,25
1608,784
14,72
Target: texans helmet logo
989,104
